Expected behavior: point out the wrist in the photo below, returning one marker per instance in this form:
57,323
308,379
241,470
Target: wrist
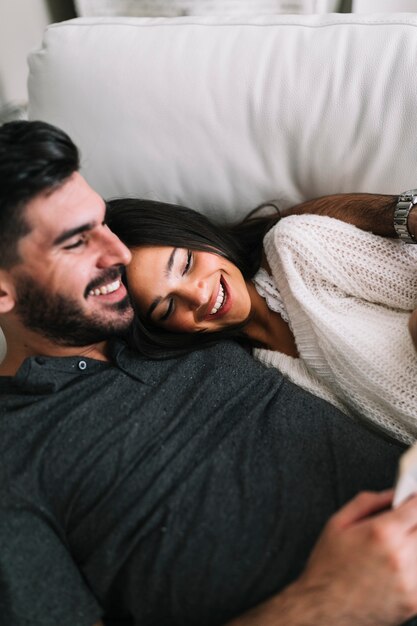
404,216
296,605
412,222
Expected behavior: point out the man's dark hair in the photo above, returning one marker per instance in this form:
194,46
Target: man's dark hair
150,223
35,157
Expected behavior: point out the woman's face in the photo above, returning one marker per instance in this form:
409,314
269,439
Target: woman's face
185,290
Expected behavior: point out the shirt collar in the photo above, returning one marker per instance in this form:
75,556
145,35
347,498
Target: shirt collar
48,374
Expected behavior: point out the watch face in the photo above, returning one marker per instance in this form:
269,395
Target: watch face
410,193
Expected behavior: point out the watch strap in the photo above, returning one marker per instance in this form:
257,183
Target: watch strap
406,202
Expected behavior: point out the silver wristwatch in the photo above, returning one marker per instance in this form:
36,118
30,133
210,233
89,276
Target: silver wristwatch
405,203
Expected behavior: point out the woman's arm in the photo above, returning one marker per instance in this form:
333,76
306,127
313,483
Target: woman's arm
309,253
371,212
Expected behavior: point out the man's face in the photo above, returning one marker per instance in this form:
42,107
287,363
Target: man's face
68,283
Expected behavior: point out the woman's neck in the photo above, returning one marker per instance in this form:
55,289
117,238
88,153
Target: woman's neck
266,327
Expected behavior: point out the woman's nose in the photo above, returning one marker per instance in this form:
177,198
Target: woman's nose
196,293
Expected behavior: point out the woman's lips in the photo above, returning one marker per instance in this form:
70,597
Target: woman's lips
226,305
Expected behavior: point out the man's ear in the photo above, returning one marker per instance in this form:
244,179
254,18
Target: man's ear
7,292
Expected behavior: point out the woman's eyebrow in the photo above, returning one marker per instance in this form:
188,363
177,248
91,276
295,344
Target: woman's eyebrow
167,272
170,262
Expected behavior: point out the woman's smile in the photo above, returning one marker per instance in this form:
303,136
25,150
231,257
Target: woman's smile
220,300
223,301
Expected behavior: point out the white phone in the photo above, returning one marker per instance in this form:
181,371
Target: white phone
406,484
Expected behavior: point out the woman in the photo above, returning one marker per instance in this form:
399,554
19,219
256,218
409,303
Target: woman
323,301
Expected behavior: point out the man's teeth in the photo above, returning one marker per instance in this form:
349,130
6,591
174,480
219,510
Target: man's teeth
219,301
102,291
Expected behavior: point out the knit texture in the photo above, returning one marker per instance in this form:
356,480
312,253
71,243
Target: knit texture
267,289
348,295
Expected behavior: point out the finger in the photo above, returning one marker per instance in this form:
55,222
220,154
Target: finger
405,514
362,506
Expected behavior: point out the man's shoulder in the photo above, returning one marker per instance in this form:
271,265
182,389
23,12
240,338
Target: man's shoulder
226,356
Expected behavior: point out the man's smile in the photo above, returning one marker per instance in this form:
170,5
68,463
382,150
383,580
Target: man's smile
108,283
105,289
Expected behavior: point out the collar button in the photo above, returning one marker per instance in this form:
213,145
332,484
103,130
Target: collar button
82,365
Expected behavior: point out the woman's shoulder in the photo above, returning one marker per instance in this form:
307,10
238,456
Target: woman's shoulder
314,224
309,231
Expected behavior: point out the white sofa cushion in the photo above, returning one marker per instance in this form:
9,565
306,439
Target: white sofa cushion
223,113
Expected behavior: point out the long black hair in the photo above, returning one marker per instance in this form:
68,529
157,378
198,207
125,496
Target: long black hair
149,223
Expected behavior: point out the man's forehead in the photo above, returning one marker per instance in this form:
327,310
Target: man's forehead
73,200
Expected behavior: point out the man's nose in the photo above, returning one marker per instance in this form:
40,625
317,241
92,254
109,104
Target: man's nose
113,251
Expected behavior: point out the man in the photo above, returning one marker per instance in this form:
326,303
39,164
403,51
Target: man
187,491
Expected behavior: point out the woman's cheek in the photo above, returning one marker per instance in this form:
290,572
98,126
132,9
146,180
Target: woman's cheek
182,324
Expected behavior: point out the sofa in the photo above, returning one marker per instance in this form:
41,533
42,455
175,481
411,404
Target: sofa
223,113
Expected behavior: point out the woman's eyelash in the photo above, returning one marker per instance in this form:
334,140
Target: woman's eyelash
186,269
188,263
168,311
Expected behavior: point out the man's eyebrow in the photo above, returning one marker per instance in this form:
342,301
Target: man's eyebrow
67,234
167,272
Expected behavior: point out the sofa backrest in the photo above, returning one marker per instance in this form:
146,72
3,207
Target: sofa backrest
223,113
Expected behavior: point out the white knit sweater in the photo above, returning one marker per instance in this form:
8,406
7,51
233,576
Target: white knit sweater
348,295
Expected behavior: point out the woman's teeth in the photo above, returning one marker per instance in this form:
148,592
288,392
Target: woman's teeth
102,291
220,300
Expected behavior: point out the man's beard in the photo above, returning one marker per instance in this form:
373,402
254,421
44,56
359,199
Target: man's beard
61,319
